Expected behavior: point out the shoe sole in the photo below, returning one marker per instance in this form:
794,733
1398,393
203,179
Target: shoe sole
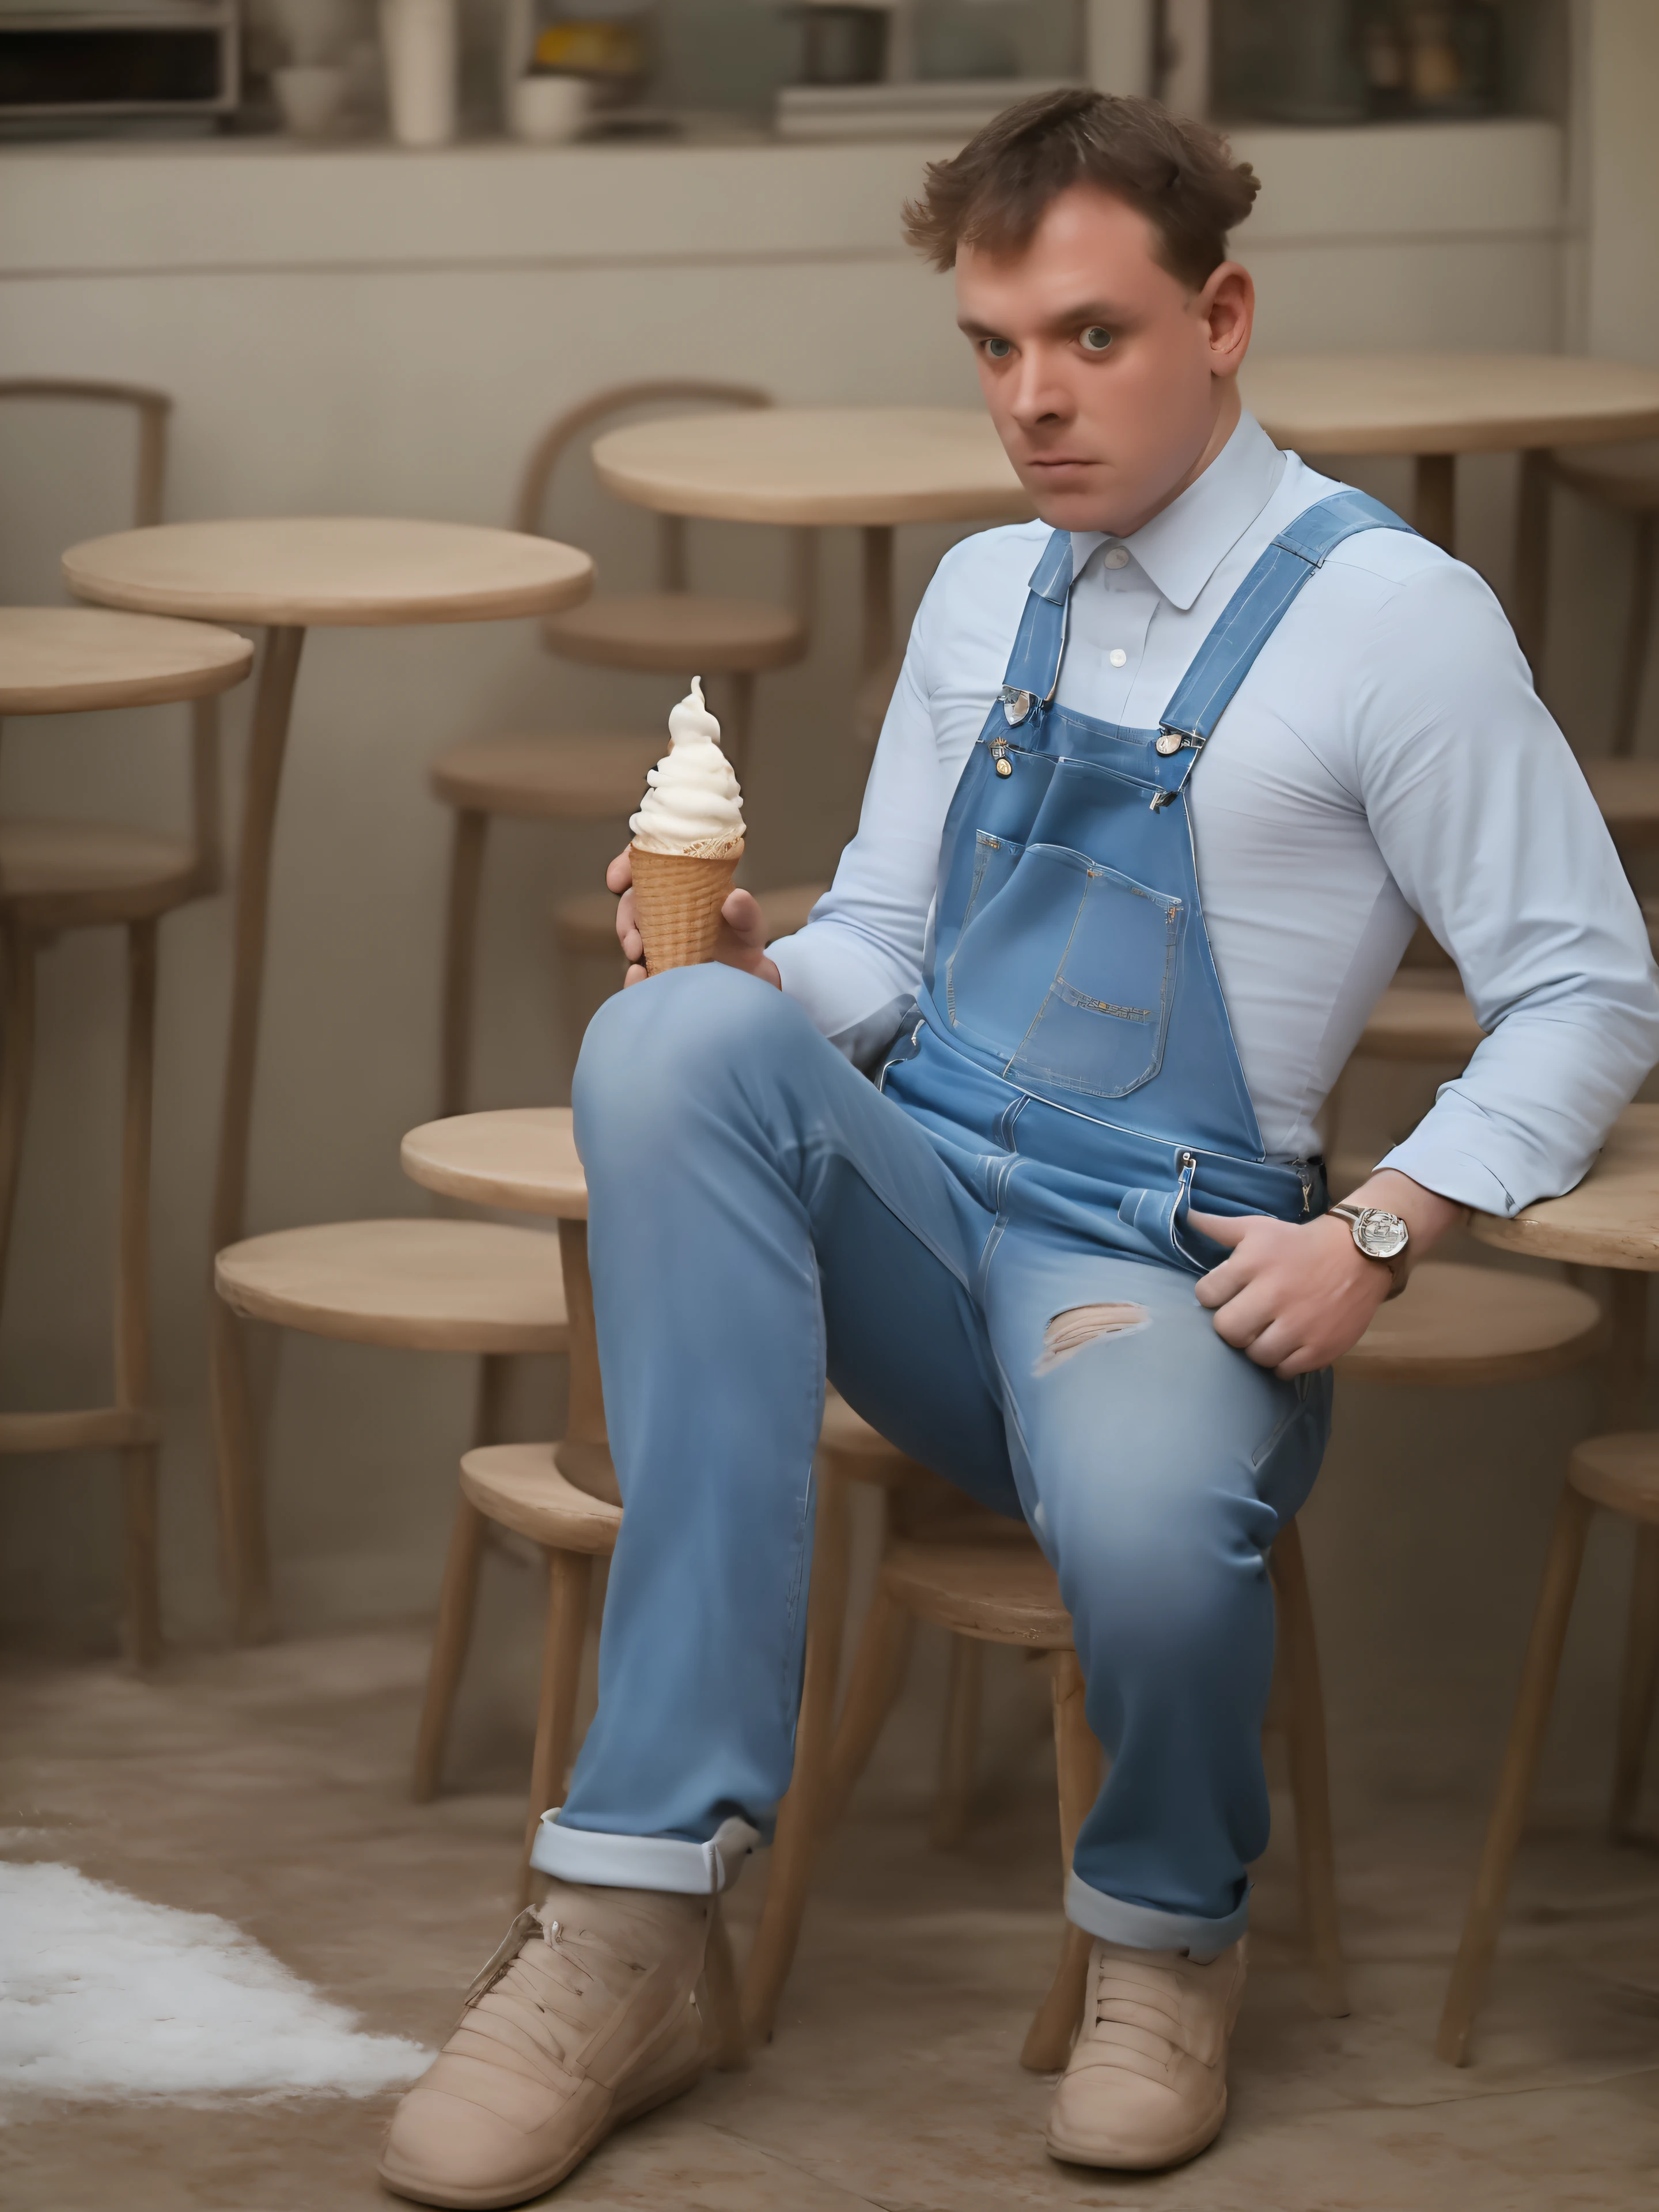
1176,2154
491,2200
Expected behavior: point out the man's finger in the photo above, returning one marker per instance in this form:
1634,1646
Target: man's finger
1222,1282
1228,1229
619,876
742,915
635,974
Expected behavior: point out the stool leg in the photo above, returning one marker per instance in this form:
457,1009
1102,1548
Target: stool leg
1078,1762
244,1552
569,1575
1635,638
955,1766
456,1598
719,1977
466,855
1532,1712
134,1390
879,1665
1641,1682
1310,1775
801,1820
16,1075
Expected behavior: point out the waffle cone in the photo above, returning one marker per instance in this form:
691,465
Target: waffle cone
676,902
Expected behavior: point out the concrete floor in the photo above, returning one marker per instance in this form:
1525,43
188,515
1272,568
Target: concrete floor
268,1787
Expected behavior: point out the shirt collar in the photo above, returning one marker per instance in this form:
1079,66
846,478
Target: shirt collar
1182,548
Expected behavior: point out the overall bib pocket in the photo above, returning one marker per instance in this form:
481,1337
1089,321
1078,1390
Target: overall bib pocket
1066,968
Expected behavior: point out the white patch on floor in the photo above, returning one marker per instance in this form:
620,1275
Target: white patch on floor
104,1996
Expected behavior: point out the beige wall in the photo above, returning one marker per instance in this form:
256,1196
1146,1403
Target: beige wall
362,330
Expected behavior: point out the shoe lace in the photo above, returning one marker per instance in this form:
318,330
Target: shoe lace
1134,2004
542,1981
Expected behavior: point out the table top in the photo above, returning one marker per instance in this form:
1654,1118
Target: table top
523,1158
1611,1220
67,660
1447,403
870,466
339,571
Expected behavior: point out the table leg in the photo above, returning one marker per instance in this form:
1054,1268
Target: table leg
583,1455
1436,500
876,643
1531,559
242,1539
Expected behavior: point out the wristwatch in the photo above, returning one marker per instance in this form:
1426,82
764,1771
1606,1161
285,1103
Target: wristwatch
1381,1237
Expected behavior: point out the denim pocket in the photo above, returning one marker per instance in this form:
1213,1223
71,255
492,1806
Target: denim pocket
994,860
1068,972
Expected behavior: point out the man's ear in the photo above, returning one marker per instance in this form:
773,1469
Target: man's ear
1227,305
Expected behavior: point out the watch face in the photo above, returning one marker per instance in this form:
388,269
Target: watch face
1381,1236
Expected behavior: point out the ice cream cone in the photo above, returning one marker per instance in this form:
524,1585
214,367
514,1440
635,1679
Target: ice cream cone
677,899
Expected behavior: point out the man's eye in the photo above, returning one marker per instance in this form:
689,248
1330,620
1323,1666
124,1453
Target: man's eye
1095,340
999,349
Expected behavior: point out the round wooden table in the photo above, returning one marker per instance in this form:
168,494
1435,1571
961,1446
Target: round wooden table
869,467
286,575
66,660
1433,406
523,1160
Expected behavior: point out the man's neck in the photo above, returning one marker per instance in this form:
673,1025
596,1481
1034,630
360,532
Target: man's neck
1229,410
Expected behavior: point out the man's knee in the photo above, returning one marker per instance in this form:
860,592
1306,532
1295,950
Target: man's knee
1162,1563
651,1051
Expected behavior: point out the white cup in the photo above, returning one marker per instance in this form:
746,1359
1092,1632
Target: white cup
310,95
548,110
419,38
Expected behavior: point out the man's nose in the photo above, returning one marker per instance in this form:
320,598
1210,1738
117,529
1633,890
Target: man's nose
1040,393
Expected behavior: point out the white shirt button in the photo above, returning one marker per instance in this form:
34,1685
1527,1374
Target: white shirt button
1117,656
1117,558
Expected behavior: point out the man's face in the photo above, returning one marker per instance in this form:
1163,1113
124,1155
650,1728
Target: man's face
1110,384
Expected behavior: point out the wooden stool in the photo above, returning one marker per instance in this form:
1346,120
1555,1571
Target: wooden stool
1456,1327
671,631
1625,477
463,1287
992,1584
598,778
518,1486
71,874
1621,1473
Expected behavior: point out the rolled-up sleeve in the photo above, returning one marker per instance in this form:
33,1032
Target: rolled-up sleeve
1488,827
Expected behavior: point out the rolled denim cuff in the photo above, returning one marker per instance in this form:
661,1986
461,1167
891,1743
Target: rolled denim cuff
1142,1928
663,1863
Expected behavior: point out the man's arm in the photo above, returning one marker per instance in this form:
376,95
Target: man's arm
1489,830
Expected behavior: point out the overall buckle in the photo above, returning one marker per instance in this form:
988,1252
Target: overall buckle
1016,704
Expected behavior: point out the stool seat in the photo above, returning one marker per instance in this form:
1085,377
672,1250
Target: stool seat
1621,1472
1420,1021
677,634
71,874
999,1590
1627,793
417,1286
1460,1326
1625,475
520,1487
586,921
585,778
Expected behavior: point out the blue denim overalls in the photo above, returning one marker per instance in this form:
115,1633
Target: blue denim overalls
992,1255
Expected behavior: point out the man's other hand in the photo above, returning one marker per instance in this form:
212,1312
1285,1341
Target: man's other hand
741,942
1296,1295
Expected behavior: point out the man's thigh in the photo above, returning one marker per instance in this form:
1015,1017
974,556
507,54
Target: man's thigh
905,1345
1129,1417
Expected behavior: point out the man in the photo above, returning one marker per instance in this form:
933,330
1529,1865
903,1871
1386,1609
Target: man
1168,777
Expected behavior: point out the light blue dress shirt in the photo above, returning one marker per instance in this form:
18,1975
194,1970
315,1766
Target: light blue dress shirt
1386,758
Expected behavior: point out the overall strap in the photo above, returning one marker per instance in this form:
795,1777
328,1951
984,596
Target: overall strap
1033,669
1257,607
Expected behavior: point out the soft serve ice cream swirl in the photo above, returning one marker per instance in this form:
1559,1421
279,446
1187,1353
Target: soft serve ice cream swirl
692,806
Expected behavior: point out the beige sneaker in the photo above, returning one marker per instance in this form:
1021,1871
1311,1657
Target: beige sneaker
586,2017
1147,2083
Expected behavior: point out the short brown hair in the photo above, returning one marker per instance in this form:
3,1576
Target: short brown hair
1180,175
